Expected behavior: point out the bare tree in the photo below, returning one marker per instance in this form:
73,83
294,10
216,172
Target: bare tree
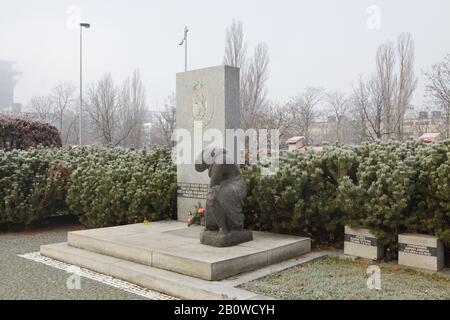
41,107
421,125
438,88
71,131
381,103
384,85
236,56
304,107
254,91
63,100
278,116
235,46
164,126
360,103
368,97
406,80
254,74
338,105
131,111
102,106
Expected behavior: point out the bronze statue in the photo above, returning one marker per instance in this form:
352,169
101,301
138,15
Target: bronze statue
224,220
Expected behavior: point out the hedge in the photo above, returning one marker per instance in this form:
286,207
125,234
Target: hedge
388,187
102,186
115,186
25,133
301,197
31,185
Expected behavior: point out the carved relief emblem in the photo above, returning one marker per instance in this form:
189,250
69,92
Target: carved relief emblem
201,109
199,103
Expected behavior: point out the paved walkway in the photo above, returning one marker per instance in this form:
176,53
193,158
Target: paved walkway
22,278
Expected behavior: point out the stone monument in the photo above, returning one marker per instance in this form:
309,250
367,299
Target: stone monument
167,256
206,99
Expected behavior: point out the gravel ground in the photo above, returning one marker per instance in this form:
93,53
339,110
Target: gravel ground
28,280
338,278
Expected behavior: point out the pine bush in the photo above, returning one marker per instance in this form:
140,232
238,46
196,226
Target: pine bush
102,186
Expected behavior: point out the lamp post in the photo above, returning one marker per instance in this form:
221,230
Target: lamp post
184,41
87,26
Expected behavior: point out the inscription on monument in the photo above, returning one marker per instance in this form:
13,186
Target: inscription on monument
192,190
418,249
362,240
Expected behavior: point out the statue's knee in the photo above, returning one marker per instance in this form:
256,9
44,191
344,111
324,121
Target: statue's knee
210,201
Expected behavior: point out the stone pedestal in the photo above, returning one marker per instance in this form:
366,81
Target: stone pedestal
220,239
163,255
360,242
420,251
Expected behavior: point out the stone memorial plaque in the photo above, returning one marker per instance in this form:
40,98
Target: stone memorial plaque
192,190
417,249
360,242
420,251
206,99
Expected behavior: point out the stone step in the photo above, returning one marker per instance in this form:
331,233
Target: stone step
167,282
171,246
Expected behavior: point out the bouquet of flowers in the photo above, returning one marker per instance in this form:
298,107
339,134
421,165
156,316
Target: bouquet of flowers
198,217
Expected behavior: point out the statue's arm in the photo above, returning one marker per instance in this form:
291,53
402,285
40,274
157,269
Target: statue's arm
216,175
200,165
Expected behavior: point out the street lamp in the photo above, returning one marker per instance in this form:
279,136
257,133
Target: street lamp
87,26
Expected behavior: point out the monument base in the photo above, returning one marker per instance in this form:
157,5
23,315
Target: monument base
172,246
220,239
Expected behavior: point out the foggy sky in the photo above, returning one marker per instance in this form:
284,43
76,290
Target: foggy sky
311,43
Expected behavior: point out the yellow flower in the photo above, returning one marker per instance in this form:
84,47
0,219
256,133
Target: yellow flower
146,221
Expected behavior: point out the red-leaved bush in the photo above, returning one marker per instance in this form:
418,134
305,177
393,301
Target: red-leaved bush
24,133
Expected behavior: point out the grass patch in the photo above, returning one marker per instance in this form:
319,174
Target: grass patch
343,279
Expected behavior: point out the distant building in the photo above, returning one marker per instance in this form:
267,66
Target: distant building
331,119
423,115
295,143
7,83
436,114
150,116
431,137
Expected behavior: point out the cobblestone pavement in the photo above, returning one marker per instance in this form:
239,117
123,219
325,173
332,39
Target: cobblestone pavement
26,279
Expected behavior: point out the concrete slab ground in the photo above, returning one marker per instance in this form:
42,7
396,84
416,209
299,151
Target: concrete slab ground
171,245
